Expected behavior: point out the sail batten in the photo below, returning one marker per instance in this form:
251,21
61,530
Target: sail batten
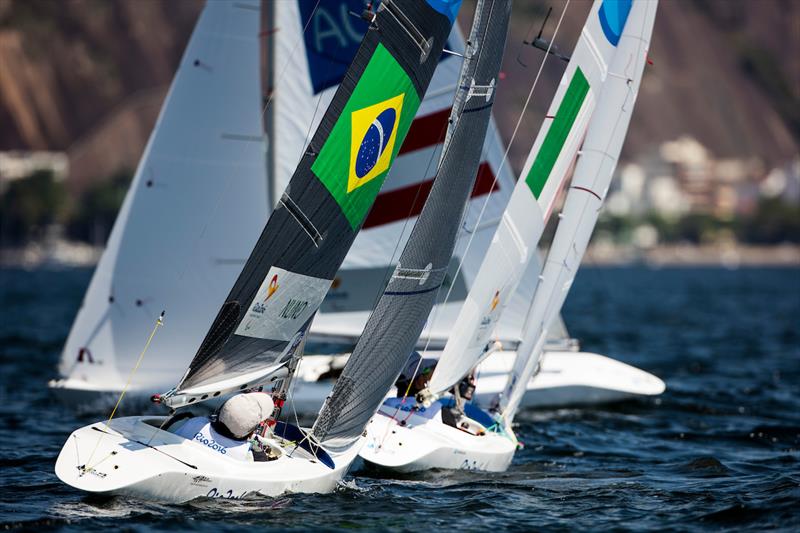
306,238
398,319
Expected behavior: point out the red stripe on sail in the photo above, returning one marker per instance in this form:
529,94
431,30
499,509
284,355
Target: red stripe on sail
399,204
426,131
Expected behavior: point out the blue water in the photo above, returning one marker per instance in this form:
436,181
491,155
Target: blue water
719,450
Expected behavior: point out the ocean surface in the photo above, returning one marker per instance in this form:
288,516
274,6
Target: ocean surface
720,450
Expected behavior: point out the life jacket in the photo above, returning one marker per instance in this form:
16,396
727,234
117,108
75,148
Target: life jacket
199,430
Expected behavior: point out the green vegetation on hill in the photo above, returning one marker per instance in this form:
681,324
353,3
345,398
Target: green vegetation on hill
773,222
29,206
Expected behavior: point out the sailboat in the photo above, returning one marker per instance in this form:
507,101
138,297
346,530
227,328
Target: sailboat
592,108
258,334
201,171
588,189
395,325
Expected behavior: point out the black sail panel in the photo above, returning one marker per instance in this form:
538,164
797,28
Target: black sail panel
319,214
397,321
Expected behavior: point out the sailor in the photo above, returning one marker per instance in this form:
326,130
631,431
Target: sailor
229,433
415,375
465,389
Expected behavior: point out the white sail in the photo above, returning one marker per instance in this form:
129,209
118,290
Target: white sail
592,177
171,248
514,244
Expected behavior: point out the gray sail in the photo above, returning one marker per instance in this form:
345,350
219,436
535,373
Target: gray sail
395,325
324,205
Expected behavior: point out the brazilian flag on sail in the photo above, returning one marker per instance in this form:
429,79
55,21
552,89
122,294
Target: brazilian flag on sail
358,154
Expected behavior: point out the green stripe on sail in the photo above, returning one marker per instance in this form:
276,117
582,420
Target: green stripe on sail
558,133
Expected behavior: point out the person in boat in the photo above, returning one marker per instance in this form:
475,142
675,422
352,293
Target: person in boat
229,432
415,375
452,415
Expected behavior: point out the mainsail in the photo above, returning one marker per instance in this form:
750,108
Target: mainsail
201,173
395,325
305,240
524,220
592,177
313,44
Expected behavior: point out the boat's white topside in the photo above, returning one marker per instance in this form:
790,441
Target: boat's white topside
134,457
408,441
566,378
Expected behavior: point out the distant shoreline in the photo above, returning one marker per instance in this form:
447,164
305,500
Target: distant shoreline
66,254
727,255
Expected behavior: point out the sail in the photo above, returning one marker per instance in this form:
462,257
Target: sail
202,172
397,321
327,199
313,44
590,182
514,243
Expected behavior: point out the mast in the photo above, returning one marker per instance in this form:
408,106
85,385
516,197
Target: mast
268,30
513,247
264,319
395,325
593,173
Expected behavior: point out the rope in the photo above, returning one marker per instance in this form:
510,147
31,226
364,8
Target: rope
159,323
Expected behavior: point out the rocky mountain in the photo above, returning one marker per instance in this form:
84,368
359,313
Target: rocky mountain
88,76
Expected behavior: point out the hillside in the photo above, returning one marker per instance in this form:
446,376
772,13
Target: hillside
88,76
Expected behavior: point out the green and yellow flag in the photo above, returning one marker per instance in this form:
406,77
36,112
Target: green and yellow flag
359,152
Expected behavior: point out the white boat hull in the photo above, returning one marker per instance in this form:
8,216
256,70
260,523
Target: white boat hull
132,457
566,379
421,444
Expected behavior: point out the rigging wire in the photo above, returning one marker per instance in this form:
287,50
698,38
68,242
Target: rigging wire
458,106
609,139
505,156
159,323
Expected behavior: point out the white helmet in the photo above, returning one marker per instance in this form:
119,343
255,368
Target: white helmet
242,413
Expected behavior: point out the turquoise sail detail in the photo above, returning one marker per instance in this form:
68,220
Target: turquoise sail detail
613,14
449,8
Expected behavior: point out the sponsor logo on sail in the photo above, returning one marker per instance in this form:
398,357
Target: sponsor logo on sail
373,136
260,307
282,305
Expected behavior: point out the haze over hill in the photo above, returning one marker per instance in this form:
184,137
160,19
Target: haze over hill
88,76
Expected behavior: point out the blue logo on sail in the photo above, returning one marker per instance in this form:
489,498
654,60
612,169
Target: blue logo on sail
613,15
375,142
332,36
